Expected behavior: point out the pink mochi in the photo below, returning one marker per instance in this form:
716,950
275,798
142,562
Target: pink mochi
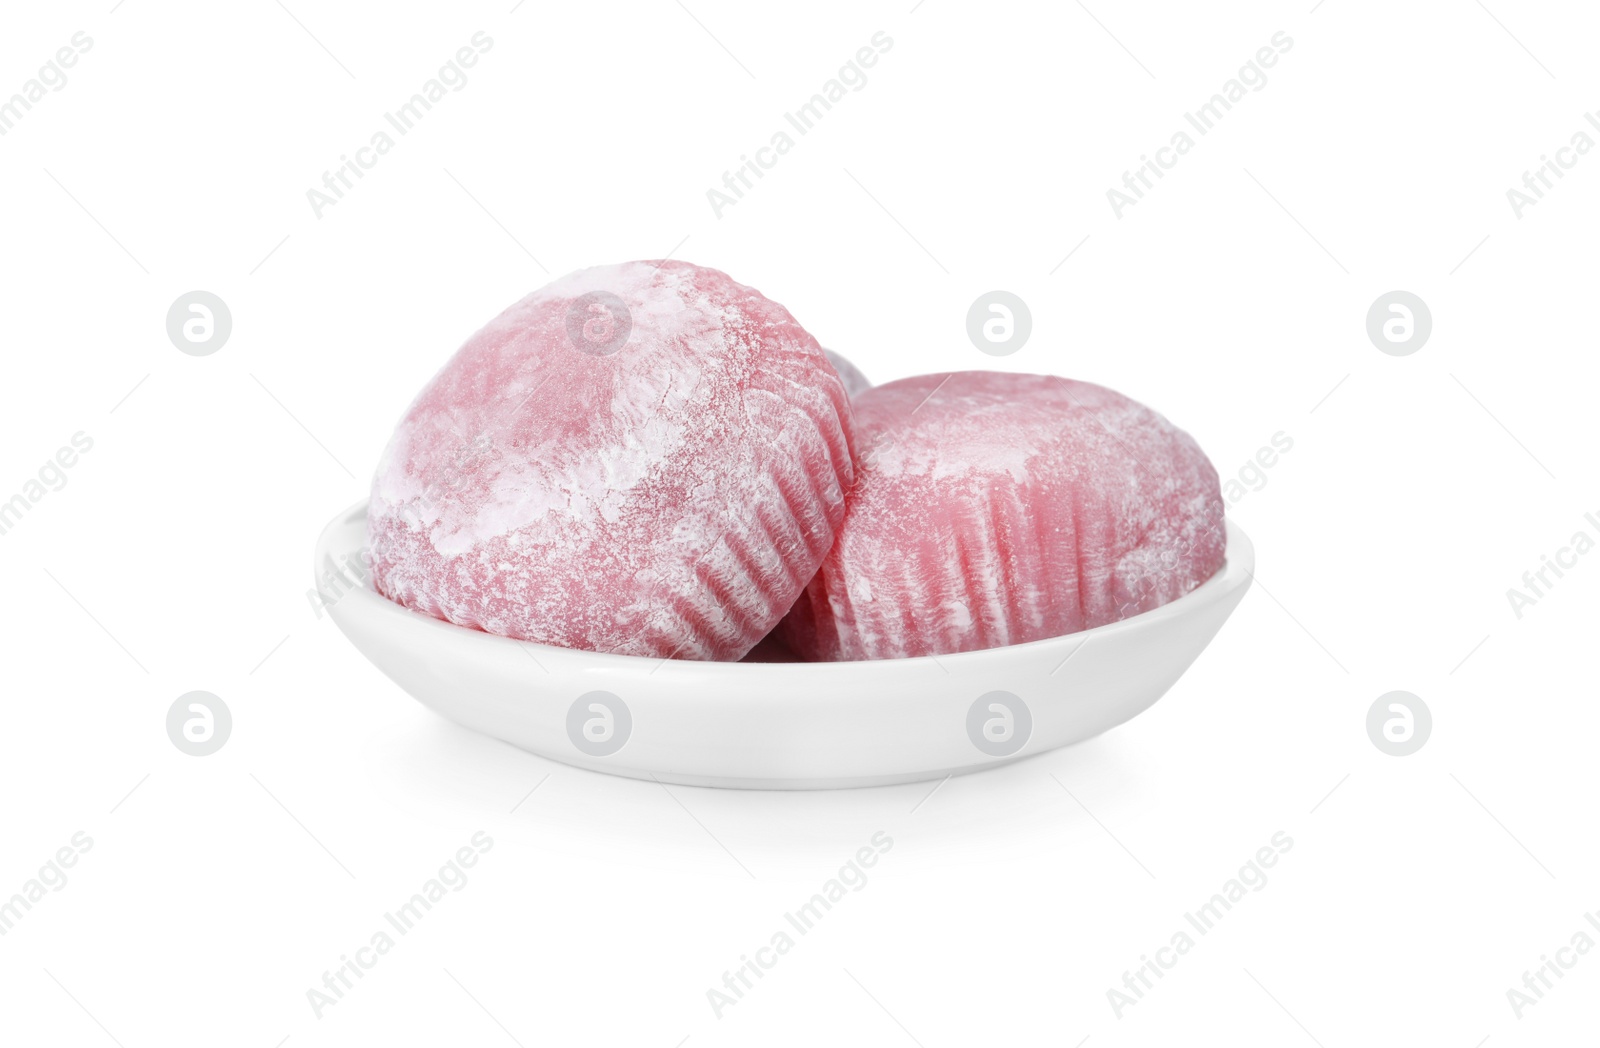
993,509
642,459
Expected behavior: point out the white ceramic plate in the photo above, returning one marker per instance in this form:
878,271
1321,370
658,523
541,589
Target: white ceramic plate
782,725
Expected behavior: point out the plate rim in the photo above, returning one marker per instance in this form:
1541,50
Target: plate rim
1237,571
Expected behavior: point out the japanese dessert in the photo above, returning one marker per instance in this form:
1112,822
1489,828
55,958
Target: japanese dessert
643,459
653,459
993,509
854,381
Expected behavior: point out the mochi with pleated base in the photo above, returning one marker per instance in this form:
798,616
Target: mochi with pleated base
993,509
641,459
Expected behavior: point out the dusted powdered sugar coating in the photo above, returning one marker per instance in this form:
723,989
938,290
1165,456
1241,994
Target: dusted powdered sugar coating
855,383
993,509
668,496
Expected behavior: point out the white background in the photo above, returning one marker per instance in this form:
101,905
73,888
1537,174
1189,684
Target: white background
1232,298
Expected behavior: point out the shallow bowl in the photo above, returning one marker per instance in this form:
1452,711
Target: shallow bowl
781,725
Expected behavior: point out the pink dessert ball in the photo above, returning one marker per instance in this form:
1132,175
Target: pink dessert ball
993,509
642,459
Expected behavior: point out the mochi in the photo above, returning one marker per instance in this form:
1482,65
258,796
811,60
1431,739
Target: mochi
993,509
642,459
854,381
